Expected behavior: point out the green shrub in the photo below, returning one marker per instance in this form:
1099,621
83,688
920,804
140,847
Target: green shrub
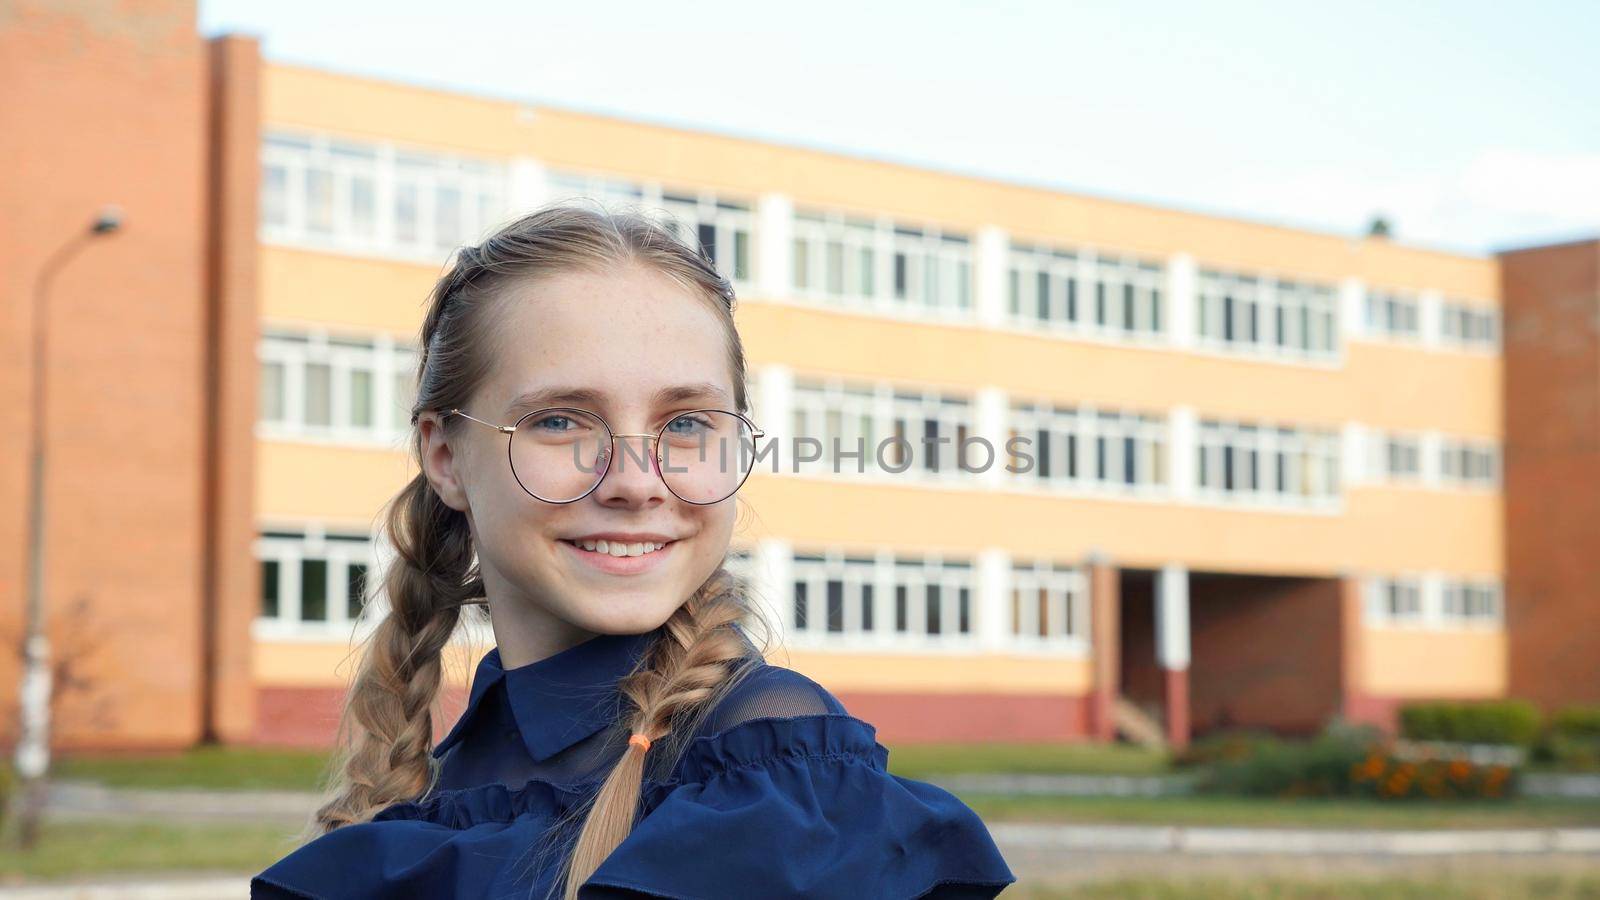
1343,761
1261,765
1220,747
1577,722
1573,739
1513,722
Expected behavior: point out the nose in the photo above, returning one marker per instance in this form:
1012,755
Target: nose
633,475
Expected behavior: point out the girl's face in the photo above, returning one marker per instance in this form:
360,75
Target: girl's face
643,348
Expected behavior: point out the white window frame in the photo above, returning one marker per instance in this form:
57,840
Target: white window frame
1075,279
1469,326
295,350
1312,456
886,572
1382,593
821,235
289,547
1460,595
482,187
1309,309
684,210
1065,623
1453,448
1088,426
830,409
1393,314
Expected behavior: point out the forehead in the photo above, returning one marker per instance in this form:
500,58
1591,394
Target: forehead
627,336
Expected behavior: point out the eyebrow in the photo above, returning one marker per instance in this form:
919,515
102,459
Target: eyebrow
580,396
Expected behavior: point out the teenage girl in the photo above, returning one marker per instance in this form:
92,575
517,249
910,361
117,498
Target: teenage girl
625,737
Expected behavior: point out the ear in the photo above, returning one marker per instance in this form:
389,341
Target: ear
441,465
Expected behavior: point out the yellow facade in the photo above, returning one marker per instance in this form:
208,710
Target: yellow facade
1375,528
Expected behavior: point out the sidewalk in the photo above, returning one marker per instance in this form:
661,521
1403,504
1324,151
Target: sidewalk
83,799
1551,785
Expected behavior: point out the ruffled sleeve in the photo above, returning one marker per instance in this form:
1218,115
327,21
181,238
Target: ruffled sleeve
800,807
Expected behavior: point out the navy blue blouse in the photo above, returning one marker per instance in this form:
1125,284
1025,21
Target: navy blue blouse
779,793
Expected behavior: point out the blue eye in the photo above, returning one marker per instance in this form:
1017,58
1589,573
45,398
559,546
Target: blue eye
553,423
694,423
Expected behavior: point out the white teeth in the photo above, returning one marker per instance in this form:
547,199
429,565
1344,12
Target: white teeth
617,548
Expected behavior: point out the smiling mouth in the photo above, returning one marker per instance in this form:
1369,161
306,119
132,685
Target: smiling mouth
618,549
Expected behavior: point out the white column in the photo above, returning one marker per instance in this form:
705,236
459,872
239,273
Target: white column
1352,309
1432,591
1430,312
773,415
1354,456
774,240
994,593
993,261
1172,617
530,185
1182,283
1183,441
774,582
993,408
1429,444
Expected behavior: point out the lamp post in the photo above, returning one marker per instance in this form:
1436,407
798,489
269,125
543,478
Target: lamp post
33,744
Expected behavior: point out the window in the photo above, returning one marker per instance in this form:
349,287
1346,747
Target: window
1396,600
1401,456
881,265
863,427
312,578
1393,314
1049,604
1469,325
1264,314
347,389
845,599
1086,448
721,227
1431,600
1471,601
1267,463
375,197
1469,463
1087,291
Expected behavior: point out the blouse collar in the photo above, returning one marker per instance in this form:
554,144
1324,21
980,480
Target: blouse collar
561,699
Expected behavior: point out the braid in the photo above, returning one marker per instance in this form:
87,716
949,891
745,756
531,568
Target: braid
386,728
694,661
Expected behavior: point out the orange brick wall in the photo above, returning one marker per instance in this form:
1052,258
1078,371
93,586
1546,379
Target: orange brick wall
1552,471
1266,651
97,109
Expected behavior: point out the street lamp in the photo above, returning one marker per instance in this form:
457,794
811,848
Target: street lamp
33,744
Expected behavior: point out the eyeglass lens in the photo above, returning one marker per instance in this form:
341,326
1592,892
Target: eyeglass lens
704,456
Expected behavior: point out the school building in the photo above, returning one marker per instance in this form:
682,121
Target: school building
1272,475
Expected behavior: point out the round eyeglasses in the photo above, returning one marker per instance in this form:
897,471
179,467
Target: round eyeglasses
560,454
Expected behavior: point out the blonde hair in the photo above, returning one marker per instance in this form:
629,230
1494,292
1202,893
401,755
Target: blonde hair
383,752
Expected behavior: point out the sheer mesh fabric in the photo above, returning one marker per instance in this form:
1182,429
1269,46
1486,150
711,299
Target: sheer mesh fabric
491,748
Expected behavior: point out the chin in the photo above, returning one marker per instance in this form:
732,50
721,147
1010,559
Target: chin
618,616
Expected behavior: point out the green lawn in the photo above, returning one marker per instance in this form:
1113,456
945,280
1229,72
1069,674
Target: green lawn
98,848
216,768
928,760
1477,887
1298,813
224,768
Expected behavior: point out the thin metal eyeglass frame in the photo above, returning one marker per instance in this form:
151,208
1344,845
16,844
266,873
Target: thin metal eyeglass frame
510,432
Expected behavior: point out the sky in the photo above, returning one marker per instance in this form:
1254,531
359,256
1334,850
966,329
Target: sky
1472,126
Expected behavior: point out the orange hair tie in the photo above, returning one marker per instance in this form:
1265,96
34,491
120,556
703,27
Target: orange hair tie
640,739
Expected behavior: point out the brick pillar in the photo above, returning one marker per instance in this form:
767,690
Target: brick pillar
232,581
1351,607
1105,623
